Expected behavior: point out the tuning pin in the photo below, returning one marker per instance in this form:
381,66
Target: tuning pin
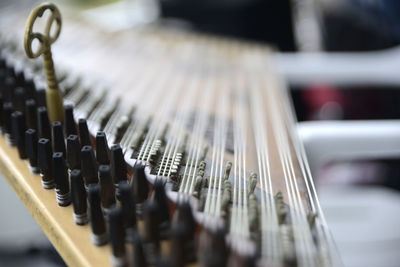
183,216
1,113
30,88
69,121
18,132
118,166
58,138
60,172
19,77
41,97
99,233
44,163
89,165
84,135
139,257
7,110
43,123
140,187
31,114
151,212
78,196
117,237
107,190
177,245
9,86
102,150
212,248
128,207
161,199
241,260
73,152
31,142
20,97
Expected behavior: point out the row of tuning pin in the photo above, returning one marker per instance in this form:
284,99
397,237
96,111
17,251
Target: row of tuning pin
86,172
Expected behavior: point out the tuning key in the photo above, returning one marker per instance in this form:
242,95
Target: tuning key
53,94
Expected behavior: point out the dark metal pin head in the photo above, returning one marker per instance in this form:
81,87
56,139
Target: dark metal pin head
140,183
78,196
69,121
1,111
107,189
117,236
9,86
58,137
178,242
118,164
19,99
41,97
61,179
183,214
161,198
84,135
43,123
31,143
31,114
139,257
102,150
212,247
7,110
99,232
89,165
44,163
127,204
151,218
18,132
73,152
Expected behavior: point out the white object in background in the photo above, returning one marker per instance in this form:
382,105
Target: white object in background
123,15
355,68
18,230
337,140
365,224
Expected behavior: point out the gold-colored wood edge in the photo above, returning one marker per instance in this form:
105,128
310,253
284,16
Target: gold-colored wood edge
71,241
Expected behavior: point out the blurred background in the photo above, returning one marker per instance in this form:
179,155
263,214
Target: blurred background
341,61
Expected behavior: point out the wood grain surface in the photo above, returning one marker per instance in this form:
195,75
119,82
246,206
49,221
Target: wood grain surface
71,241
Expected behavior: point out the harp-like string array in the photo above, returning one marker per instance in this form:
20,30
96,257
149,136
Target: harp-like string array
211,119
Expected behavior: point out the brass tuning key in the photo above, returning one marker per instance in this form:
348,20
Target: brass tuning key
45,40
